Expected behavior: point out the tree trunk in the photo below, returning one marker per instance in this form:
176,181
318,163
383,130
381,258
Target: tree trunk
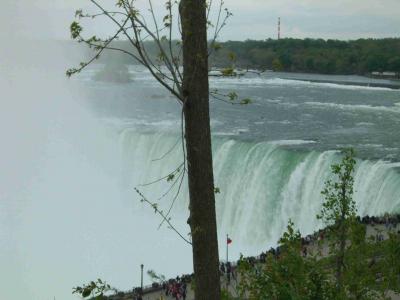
340,257
202,218
342,239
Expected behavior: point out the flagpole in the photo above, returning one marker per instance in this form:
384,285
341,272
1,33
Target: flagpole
227,245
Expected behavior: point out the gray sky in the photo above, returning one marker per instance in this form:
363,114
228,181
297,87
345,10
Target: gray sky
253,19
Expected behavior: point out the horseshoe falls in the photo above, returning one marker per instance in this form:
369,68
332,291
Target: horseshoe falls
73,152
261,185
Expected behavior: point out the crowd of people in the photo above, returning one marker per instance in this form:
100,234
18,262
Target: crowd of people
390,221
227,269
177,288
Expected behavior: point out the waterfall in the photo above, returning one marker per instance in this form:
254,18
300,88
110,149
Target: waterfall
262,184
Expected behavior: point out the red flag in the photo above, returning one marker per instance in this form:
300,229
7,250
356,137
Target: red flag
228,241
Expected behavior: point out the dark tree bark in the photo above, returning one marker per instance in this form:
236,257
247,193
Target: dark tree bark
342,239
193,92
195,89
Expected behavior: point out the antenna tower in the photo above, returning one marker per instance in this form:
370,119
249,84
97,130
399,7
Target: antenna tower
279,28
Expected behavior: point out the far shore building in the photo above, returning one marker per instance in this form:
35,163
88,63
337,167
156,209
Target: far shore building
389,75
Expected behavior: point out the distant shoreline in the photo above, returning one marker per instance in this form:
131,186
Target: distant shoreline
392,86
390,83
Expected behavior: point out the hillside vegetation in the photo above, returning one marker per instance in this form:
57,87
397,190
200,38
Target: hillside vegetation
361,56
313,55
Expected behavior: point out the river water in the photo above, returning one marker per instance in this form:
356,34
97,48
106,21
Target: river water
69,212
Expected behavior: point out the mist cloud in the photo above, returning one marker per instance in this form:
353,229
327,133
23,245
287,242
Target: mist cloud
254,19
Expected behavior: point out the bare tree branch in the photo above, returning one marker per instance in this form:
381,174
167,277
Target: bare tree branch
164,177
160,213
168,152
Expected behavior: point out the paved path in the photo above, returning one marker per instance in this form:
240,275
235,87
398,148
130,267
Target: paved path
372,230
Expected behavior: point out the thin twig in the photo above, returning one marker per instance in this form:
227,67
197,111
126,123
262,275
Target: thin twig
168,152
166,219
164,177
176,194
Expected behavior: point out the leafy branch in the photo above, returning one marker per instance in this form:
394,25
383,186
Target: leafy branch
95,289
160,212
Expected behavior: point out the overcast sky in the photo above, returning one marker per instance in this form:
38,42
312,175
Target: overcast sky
253,19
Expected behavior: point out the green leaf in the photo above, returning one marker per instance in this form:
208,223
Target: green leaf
86,292
170,177
228,72
75,30
245,101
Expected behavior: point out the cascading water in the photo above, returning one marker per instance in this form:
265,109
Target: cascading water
262,185
67,200
68,212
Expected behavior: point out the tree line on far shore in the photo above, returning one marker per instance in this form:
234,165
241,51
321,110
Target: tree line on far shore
361,57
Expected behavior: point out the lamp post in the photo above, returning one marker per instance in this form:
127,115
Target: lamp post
141,278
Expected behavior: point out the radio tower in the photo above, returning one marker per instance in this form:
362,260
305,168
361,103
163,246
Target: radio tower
279,28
